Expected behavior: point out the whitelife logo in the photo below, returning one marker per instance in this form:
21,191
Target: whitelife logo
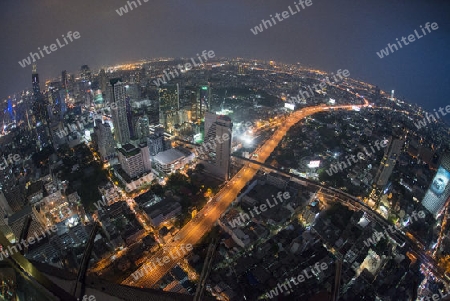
322,85
12,159
211,145
411,38
423,122
342,165
149,267
284,15
23,242
244,217
88,298
35,56
187,66
72,127
376,237
124,9
315,270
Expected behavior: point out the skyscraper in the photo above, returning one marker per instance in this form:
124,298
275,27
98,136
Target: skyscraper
155,141
169,104
40,112
216,149
391,155
103,79
129,113
104,139
119,112
86,73
203,101
64,79
35,83
439,191
142,127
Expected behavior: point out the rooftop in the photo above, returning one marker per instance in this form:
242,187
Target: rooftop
169,156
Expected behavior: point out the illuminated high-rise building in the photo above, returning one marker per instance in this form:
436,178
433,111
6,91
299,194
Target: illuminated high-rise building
64,79
40,113
104,140
169,104
156,142
35,83
391,155
200,99
119,112
203,101
103,79
216,149
438,193
142,127
86,73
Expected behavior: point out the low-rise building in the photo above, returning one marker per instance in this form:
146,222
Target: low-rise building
173,159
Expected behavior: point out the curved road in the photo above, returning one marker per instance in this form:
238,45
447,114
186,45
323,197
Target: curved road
193,231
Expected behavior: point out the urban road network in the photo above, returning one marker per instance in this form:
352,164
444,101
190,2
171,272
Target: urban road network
193,231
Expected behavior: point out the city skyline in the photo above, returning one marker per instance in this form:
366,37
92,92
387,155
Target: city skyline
425,61
172,124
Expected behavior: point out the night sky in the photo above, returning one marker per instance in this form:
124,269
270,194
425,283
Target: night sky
329,35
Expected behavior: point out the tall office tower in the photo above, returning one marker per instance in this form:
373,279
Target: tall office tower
200,98
64,83
392,95
119,112
86,73
190,95
155,141
103,81
215,151
145,151
55,102
131,160
98,99
40,113
35,83
439,192
129,117
391,154
104,140
142,127
203,101
210,118
169,104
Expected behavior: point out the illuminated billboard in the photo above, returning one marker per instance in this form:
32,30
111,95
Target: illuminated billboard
314,164
438,192
440,181
290,106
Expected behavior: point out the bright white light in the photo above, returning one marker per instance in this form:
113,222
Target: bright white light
314,164
247,139
289,106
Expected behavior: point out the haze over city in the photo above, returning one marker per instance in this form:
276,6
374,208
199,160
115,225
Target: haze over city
328,36
240,150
